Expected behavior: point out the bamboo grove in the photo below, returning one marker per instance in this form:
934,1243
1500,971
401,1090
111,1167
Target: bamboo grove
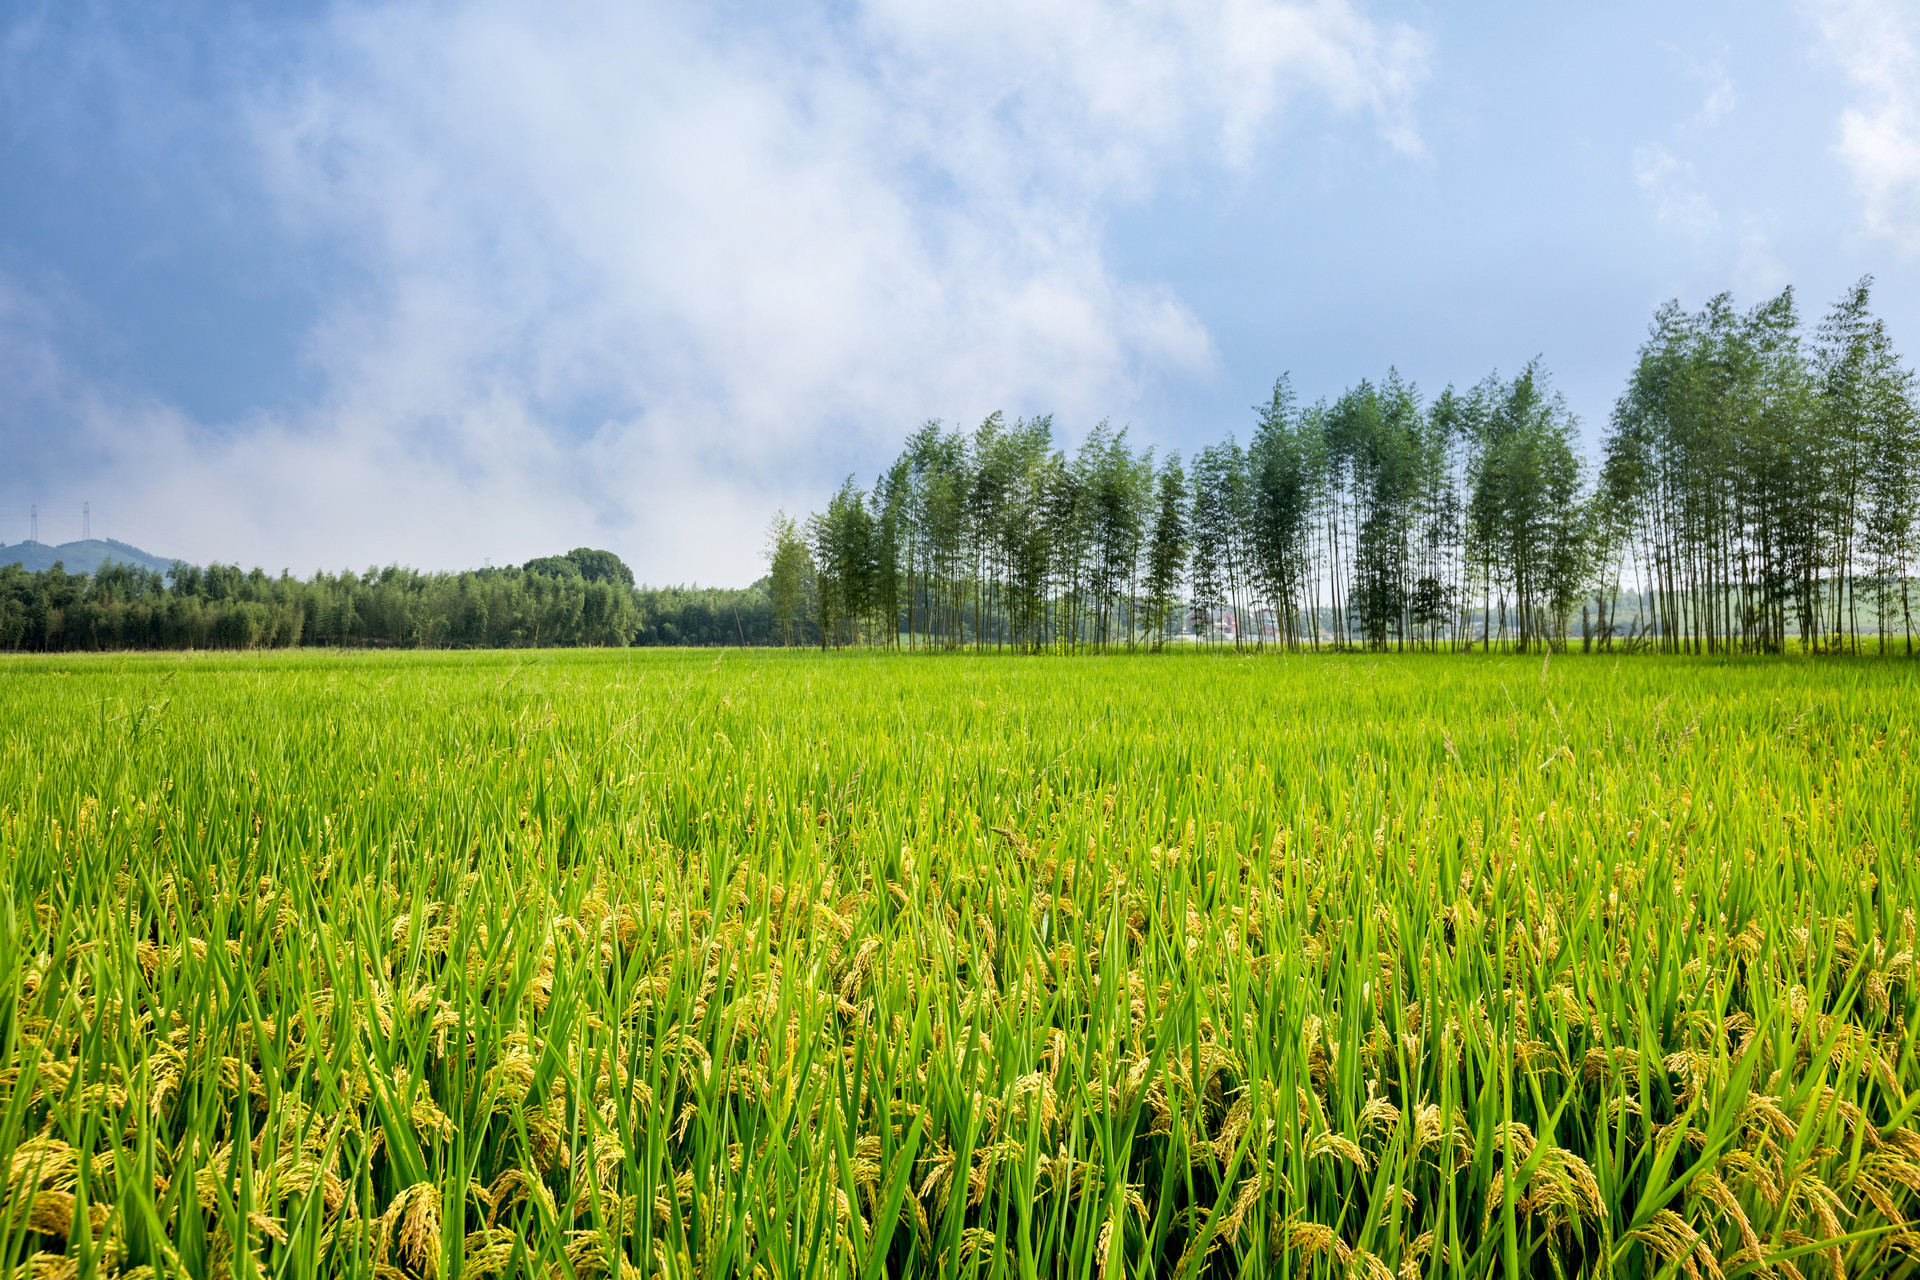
1756,490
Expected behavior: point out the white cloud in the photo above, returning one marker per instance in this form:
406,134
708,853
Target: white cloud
1758,272
1668,184
632,275
1712,73
1873,42
1720,99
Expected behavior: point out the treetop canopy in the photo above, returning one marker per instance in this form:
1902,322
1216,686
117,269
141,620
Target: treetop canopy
583,562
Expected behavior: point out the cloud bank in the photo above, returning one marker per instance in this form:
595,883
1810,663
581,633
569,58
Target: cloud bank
1873,42
631,275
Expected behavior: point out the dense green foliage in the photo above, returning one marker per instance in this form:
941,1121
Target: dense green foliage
584,562
781,964
1757,488
224,607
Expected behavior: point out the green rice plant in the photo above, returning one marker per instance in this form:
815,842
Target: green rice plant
800,965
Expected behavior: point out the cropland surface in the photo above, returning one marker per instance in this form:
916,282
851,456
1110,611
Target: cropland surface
791,964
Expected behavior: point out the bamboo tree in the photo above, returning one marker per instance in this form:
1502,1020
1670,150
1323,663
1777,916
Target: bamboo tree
788,565
1166,548
1284,501
892,503
1214,538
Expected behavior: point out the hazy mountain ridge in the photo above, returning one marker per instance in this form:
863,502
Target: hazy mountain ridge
80,557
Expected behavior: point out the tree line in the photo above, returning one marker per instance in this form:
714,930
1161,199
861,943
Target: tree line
1756,489
586,597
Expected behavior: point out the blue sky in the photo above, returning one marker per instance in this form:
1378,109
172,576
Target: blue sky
338,284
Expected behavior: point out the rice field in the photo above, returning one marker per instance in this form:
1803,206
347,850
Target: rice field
781,964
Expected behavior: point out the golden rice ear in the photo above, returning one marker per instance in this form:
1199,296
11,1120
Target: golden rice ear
1710,1187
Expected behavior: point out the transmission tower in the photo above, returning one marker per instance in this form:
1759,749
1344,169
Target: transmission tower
86,522
33,523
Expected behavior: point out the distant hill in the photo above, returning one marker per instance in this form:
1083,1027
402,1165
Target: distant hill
79,557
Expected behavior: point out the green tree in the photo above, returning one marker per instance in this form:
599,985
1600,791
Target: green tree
601,566
788,567
1167,548
1526,504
